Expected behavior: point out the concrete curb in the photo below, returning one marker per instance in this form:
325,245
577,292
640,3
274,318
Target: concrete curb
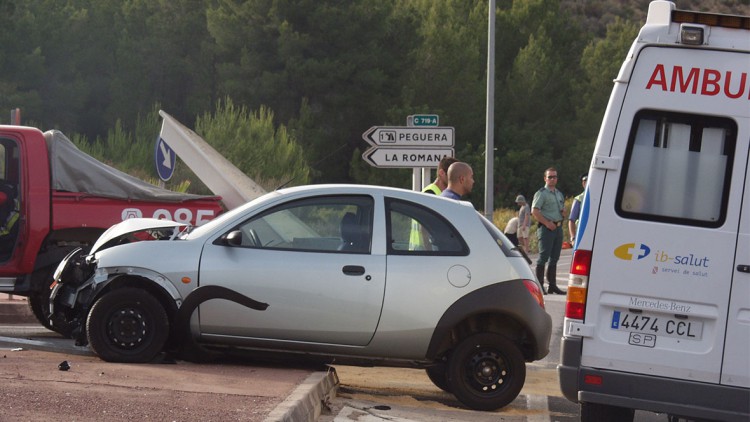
307,401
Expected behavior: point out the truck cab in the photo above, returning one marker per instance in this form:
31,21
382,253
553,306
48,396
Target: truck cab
9,201
658,302
55,198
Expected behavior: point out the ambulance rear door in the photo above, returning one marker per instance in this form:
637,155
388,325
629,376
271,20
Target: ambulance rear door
736,368
666,230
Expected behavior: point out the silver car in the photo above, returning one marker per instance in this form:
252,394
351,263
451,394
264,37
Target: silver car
356,273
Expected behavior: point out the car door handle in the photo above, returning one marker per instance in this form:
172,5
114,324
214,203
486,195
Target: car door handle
743,268
353,269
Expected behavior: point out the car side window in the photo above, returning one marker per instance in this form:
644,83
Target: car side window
416,230
677,168
320,224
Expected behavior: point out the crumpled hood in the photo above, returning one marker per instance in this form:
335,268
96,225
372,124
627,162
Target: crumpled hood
132,225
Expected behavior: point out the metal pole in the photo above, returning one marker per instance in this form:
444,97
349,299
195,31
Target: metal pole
489,153
416,179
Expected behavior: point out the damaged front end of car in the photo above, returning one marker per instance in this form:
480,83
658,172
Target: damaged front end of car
78,280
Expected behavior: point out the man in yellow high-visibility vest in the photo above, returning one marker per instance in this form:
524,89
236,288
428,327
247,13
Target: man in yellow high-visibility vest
417,239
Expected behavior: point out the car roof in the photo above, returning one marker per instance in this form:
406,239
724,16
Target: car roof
431,201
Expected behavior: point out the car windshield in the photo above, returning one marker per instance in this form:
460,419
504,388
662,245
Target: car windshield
230,215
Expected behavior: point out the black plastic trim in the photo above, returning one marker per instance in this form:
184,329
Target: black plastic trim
667,395
510,298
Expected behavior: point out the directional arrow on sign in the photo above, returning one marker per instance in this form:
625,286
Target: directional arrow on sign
165,159
400,157
167,154
406,136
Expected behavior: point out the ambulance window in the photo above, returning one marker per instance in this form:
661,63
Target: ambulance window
677,168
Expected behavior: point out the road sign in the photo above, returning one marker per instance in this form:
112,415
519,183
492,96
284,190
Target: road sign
405,136
165,159
400,157
423,120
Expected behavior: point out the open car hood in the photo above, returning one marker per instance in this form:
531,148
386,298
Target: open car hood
132,225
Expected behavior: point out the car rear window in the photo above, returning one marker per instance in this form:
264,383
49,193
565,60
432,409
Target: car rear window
416,230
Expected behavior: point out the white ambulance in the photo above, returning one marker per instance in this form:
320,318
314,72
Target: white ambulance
658,304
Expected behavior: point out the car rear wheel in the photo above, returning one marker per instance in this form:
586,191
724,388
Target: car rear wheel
486,371
437,374
594,412
127,325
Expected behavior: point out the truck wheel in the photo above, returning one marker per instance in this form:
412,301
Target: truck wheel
486,371
594,412
39,301
127,325
437,374
39,305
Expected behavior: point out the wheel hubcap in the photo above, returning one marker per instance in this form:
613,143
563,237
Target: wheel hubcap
487,371
127,328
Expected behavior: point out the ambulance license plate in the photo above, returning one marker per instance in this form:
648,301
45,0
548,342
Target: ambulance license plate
657,325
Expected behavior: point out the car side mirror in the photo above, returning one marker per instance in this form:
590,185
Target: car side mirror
234,238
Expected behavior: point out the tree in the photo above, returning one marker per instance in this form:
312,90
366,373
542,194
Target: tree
600,63
335,60
251,141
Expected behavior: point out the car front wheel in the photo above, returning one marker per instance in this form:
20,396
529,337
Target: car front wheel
486,371
127,325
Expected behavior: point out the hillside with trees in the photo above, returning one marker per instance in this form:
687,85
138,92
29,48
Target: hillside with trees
285,88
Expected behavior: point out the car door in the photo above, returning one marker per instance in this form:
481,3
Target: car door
311,261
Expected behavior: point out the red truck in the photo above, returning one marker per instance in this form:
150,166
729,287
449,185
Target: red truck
54,198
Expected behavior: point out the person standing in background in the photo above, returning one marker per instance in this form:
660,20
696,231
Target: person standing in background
524,223
417,238
441,180
575,210
511,230
460,180
548,208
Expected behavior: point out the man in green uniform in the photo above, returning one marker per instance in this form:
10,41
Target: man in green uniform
548,208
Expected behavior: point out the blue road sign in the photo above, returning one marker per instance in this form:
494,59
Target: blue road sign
165,159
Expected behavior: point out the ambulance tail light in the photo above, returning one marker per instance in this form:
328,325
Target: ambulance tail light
578,281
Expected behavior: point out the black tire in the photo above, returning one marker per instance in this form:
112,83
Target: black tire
486,371
437,374
39,303
595,412
127,325
39,306
41,280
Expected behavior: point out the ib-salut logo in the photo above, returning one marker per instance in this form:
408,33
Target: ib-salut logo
686,264
631,251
